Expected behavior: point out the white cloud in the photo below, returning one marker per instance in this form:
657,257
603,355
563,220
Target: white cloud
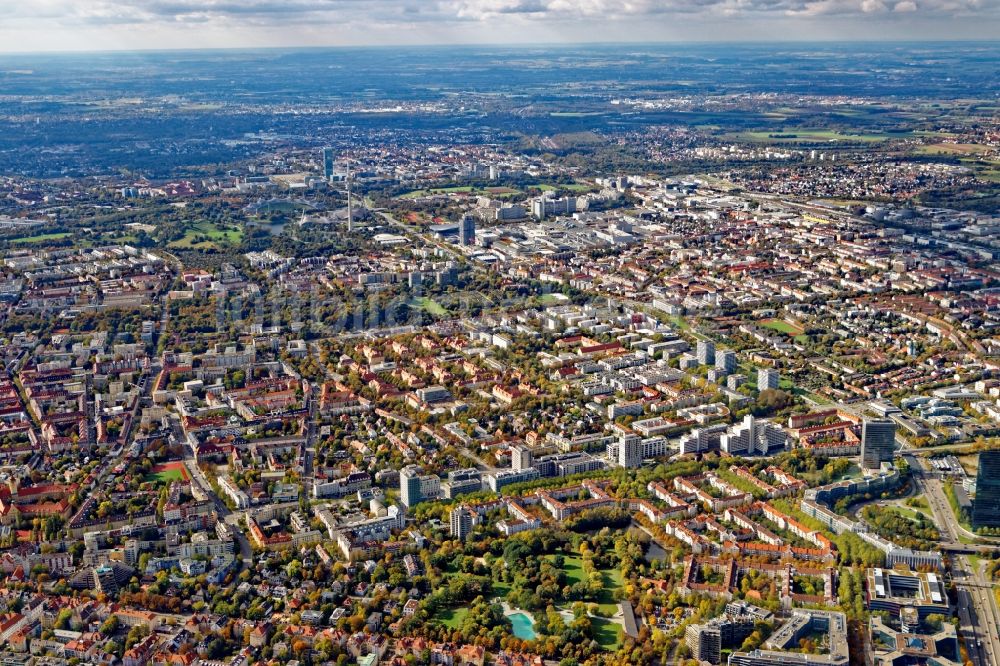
399,11
30,24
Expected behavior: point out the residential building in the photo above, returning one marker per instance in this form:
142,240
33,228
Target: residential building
726,361
521,457
462,521
767,379
705,351
705,642
753,437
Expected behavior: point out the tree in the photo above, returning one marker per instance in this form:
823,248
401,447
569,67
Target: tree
110,625
935,621
63,618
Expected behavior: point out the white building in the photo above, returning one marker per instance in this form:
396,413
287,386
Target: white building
753,437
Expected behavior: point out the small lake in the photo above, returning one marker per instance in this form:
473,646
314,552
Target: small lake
523,627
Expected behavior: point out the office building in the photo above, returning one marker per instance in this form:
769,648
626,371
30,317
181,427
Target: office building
505,477
415,488
545,206
725,361
892,590
912,643
567,464
328,163
986,504
706,352
782,648
463,519
767,379
877,439
462,481
706,641
467,230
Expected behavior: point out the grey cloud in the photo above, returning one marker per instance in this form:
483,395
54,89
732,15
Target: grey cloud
388,12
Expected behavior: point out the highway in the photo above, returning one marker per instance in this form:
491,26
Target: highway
978,616
977,612
931,487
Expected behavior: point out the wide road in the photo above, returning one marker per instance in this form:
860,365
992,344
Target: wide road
977,607
944,517
977,610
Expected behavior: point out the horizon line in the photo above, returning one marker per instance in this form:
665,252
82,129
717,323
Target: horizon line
888,42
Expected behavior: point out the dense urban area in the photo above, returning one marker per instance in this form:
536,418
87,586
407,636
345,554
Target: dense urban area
620,375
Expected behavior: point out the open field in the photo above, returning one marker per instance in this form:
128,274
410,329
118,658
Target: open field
167,473
795,135
607,600
572,187
458,189
788,328
573,568
815,397
782,326
606,633
41,238
914,513
452,617
552,299
206,234
951,149
429,305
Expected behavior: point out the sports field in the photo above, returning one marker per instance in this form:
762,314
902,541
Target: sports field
167,473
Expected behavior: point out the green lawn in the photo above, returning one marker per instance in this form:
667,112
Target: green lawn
912,514
552,299
207,234
459,189
428,304
781,326
951,149
572,187
41,238
167,476
816,397
607,600
794,135
606,633
680,322
572,567
452,617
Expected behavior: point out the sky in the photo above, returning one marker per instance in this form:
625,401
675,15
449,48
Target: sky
99,25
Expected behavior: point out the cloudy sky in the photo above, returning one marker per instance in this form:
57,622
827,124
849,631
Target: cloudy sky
47,25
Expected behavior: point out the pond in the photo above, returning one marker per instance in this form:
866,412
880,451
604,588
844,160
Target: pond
523,626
